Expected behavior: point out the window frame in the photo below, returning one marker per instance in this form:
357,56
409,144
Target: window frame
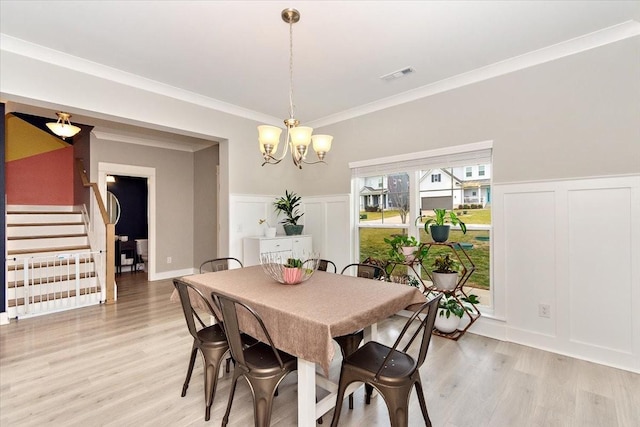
448,157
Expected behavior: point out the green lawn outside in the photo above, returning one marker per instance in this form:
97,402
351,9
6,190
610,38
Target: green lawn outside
376,216
372,245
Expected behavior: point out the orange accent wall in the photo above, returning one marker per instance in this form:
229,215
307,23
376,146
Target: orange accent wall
43,179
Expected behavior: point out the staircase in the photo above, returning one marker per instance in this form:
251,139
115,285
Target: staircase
50,265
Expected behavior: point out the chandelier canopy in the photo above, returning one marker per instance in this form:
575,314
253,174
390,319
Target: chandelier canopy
298,137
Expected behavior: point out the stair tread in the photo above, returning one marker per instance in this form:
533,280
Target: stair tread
47,236
58,295
71,261
44,224
46,250
50,280
44,212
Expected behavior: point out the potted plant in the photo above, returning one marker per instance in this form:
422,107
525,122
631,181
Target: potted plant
403,247
269,231
450,312
445,274
288,205
437,228
292,271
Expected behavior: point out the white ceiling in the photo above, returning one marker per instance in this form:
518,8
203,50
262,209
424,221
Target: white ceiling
235,53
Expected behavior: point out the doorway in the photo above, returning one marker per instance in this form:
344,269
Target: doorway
127,206
144,174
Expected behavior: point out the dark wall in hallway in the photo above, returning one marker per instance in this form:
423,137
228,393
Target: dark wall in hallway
132,193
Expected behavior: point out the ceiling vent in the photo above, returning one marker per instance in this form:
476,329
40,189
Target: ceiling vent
397,74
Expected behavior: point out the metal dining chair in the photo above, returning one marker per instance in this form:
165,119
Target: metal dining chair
391,371
262,364
367,271
350,342
324,265
210,340
218,264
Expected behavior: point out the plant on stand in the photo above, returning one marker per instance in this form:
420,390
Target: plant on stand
445,274
288,205
450,312
437,227
403,248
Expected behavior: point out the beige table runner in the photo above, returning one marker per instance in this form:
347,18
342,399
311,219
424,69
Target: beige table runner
302,319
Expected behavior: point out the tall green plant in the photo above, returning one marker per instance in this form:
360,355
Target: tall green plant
288,205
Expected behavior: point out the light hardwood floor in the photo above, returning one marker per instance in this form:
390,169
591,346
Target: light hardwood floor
124,364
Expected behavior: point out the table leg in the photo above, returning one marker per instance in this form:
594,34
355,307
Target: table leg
371,333
306,393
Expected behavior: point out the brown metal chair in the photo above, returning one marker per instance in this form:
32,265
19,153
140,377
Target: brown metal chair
324,265
368,271
262,364
210,340
391,371
218,264
350,342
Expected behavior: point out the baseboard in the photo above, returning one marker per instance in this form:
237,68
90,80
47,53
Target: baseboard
490,328
4,318
172,274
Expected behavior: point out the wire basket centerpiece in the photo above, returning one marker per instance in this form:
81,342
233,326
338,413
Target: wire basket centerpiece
288,271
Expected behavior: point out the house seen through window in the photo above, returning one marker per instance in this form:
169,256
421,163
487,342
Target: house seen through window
393,207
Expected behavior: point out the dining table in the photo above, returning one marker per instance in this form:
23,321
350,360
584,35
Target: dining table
302,319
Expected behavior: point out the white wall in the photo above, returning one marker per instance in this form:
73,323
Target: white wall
326,219
574,245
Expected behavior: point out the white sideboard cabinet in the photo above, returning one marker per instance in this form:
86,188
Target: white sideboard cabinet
286,246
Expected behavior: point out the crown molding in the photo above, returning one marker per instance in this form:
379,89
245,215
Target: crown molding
589,41
178,146
61,59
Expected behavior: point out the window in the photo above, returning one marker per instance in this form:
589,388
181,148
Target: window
414,185
388,203
480,170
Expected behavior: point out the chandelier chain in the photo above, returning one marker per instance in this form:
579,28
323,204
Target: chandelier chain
298,138
291,115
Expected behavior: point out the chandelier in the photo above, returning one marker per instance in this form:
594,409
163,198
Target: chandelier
63,127
298,137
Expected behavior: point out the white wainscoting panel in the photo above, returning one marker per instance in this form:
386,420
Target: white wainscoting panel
331,232
245,212
600,287
326,219
530,260
574,245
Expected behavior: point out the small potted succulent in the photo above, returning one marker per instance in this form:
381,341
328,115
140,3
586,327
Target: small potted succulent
269,231
445,274
292,271
288,205
437,228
